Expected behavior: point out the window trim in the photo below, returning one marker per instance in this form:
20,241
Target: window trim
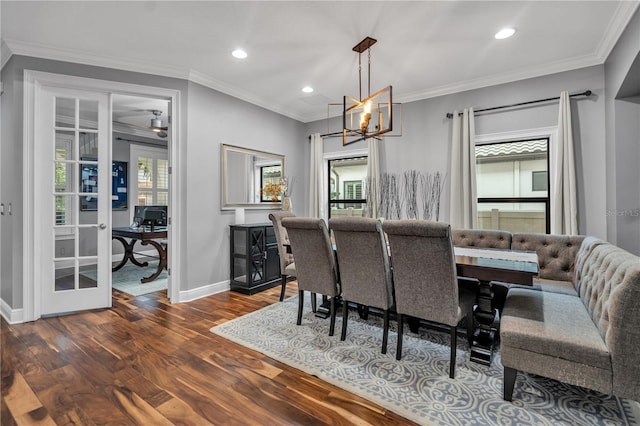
548,133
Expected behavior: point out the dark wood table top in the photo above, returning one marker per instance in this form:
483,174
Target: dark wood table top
517,267
139,233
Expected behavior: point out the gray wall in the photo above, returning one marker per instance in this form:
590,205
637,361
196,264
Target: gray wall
215,118
426,133
622,68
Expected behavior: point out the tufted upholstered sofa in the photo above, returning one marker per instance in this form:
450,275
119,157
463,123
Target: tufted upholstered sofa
556,253
590,340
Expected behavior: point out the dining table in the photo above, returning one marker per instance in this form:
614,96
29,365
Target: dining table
489,266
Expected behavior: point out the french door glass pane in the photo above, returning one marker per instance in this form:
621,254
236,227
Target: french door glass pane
65,112
88,273
88,114
65,275
88,241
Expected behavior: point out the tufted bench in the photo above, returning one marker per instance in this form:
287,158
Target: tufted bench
481,238
556,259
591,340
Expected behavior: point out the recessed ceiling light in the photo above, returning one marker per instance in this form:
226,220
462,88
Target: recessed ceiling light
307,89
505,33
239,53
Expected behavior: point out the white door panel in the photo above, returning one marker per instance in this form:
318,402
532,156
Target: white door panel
72,200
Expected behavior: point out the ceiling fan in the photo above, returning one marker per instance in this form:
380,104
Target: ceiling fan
156,125
156,122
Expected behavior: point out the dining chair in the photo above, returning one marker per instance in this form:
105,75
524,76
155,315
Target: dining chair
287,265
365,272
424,276
316,266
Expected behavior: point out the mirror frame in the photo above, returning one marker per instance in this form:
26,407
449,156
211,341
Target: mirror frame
224,205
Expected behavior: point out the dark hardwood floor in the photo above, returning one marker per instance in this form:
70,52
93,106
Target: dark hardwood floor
149,362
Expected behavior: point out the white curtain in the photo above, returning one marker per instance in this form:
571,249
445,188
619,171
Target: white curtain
564,207
463,196
316,205
373,178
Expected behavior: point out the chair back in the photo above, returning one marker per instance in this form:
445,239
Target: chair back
424,270
315,261
363,261
282,238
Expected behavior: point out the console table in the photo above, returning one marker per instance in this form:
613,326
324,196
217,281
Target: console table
254,258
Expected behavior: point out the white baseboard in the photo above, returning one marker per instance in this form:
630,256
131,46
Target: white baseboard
12,316
204,291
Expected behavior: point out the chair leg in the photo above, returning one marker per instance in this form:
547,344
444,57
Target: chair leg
454,342
399,346
332,325
385,331
300,305
314,303
509,382
345,316
284,286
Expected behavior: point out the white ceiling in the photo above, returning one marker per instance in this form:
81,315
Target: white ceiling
424,49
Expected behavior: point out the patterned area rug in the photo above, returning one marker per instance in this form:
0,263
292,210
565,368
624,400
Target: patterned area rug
128,278
418,387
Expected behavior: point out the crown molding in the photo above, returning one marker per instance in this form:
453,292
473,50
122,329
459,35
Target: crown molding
212,83
496,79
5,53
86,58
621,17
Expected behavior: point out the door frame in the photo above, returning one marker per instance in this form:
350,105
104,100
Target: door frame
34,81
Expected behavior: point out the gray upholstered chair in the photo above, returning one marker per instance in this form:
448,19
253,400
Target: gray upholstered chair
363,262
424,276
287,265
316,266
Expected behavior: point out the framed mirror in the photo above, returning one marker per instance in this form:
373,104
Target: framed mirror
244,173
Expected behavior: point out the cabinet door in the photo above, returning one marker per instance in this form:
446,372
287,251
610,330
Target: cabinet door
257,255
272,258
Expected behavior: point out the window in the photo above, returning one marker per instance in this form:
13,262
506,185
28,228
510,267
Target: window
150,176
347,177
512,183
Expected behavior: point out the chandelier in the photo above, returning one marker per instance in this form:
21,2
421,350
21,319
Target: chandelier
369,117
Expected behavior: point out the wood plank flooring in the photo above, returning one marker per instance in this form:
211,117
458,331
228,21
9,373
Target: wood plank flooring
149,362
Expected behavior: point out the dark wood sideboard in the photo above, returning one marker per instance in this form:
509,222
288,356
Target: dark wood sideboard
255,263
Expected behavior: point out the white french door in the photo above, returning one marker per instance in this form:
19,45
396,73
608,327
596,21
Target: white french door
72,200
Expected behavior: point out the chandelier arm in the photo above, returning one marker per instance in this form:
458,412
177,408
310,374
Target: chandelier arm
369,74
360,76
